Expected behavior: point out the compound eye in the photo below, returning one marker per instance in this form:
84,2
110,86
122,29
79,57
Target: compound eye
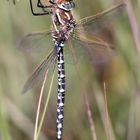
63,5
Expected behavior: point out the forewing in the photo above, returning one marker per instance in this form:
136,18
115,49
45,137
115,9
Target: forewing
94,34
36,42
97,24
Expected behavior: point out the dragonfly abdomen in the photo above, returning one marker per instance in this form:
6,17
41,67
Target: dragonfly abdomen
61,91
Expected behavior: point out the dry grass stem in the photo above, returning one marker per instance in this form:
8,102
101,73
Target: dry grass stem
103,110
134,115
134,25
90,119
46,105
107,118
39,105
21,121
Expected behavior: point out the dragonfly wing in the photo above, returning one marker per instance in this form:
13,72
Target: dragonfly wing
39,73
96,23
96,51
94,34
35,42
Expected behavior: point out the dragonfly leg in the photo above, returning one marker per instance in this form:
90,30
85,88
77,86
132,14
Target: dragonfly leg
39,14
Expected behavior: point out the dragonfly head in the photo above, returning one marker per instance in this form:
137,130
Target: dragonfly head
65,5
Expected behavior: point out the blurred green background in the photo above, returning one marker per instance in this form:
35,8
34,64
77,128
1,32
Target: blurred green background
120,75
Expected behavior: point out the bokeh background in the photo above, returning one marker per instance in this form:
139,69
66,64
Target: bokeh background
118,78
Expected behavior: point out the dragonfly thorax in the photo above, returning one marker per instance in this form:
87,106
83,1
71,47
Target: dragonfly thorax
64,31
63,24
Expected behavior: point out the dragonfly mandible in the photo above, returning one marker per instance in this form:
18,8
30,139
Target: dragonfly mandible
65,29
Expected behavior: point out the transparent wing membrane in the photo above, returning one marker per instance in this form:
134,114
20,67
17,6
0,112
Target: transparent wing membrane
39,73
93,34
36,42
99,17
94,51
100,22
92,40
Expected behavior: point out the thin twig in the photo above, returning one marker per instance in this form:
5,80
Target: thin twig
101,105
46,105
107,114
90,119
91,122
134,25
39,105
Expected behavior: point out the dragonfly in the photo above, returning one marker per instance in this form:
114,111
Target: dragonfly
65,30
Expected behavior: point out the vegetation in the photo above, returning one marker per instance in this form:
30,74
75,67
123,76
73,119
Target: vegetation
102,99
